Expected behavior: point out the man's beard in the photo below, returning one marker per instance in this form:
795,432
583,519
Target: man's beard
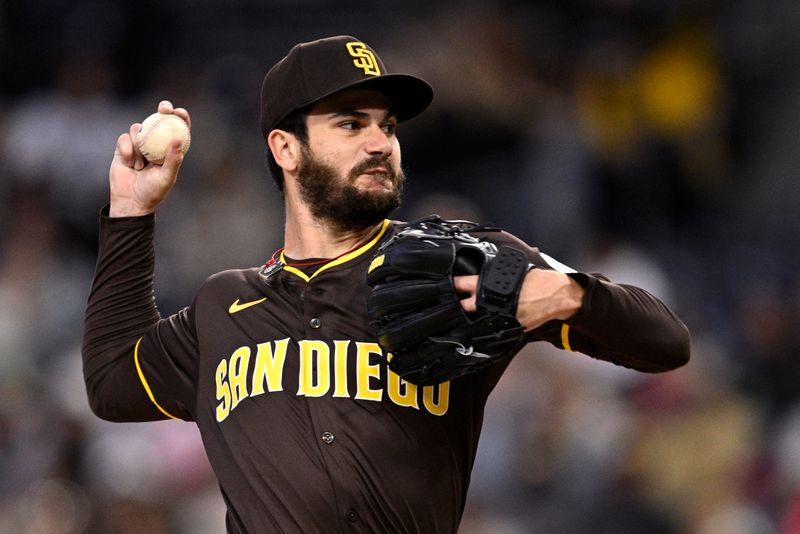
338,201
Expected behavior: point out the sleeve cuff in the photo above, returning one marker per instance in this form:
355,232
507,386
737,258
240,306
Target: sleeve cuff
589,283
125,222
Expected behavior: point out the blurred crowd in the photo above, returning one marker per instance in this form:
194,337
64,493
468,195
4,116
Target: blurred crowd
650,140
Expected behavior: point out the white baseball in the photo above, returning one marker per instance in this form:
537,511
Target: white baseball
157,132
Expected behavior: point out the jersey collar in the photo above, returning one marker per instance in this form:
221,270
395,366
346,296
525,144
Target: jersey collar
341,259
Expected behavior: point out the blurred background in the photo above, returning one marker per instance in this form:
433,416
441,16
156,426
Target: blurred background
656,141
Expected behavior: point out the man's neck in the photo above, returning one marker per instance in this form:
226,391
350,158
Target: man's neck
308,237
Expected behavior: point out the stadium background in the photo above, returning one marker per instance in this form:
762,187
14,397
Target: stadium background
653,140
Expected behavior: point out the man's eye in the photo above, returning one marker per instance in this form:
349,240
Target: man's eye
349,125
390,128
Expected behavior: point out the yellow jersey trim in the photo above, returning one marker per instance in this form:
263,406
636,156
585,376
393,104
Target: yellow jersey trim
341,259
565,337
294,270
146,386
376,262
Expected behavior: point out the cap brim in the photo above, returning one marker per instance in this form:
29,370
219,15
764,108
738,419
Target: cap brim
408,94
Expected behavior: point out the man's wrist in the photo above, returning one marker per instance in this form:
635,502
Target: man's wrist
128,208
573,300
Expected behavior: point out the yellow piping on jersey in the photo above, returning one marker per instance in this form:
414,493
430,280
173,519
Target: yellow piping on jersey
340,260
565,337
376,262
144,382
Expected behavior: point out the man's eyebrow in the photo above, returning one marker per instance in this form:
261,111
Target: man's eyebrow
352,112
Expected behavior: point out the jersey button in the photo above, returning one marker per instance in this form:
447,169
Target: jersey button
352,515
327,437
315,323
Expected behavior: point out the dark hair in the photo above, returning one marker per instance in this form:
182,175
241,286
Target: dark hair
295,124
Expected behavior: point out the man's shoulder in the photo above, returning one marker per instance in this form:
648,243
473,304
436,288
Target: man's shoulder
229,280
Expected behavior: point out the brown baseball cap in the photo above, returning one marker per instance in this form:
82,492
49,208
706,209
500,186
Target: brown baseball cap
314,70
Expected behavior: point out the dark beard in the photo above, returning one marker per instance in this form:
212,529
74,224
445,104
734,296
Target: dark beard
338,201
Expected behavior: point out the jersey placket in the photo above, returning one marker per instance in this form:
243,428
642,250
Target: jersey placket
322,417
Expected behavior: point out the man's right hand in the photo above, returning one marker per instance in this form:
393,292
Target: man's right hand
138,186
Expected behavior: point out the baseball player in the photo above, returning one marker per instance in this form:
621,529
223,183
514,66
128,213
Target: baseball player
302,375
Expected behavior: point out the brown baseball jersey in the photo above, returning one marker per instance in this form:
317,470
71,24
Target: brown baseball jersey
305,427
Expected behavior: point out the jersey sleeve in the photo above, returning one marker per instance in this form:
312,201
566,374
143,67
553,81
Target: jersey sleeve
618,323
621,324
137,365
166,364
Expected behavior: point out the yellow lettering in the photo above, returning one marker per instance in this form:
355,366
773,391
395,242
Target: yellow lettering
365,371
269,365
340,362
223,391
315,368
238,375
401,392
434,407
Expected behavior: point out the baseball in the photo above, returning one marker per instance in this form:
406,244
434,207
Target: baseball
156,133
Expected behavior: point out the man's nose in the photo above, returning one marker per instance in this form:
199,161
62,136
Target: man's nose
378,142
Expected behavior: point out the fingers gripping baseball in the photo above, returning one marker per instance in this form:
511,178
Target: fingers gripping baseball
138,186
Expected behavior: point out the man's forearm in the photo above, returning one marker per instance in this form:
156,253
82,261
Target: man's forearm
121,307
630,327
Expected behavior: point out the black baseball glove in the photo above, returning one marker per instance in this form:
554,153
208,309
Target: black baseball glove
427,336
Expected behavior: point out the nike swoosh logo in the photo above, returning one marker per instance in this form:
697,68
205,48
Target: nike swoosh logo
237,307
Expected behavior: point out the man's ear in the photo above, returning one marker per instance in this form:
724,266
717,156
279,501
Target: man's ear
285,149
